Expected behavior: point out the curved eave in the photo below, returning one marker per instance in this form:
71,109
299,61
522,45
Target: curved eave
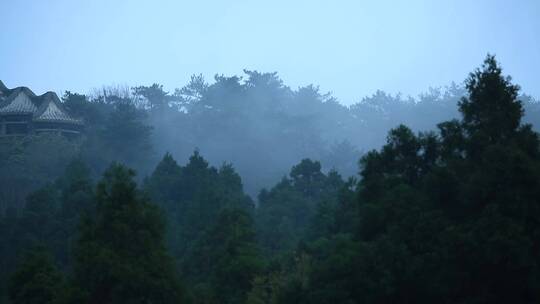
45,108
16,116
73,122
6,113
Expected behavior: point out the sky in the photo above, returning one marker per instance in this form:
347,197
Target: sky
348,48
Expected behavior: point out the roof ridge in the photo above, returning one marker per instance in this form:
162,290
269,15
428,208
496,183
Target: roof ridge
49,97
45,100
44,107
3,87
21,108
50,100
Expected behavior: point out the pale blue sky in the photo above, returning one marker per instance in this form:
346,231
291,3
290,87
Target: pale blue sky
351,48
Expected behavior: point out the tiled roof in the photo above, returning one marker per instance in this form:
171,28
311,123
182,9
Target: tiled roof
51,110
18,102
22,100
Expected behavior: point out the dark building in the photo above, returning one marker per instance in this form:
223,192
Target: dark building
22,112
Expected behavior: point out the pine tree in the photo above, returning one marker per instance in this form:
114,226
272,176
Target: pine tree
120,255
225,261
36,280
491,113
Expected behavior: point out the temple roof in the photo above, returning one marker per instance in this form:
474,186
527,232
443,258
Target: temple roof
18,102
50,110
46,107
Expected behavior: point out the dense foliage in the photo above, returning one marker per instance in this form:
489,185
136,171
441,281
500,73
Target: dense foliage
450,215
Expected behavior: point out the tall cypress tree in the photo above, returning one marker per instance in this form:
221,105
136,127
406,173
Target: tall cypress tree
120,255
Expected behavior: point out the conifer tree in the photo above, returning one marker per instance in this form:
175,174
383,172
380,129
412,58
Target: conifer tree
36,280
120,255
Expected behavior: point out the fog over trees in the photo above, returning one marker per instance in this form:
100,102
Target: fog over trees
254,122
241,189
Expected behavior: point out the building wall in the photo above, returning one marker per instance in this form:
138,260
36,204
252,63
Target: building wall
14,125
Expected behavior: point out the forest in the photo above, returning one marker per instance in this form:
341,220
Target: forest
244,190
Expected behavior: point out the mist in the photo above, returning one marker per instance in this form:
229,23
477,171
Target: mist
262,127
239,152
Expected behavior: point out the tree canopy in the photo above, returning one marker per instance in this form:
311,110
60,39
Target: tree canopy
443,211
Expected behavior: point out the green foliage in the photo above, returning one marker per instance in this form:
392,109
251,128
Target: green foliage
192,197
36,281
210,227
76,190
225,260
29,163
49,219
285,211
79,105
443,216
164,181
126,135
120,254
491,112
448,216
154,96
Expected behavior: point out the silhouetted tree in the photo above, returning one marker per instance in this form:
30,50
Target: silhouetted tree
120,255
36,280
